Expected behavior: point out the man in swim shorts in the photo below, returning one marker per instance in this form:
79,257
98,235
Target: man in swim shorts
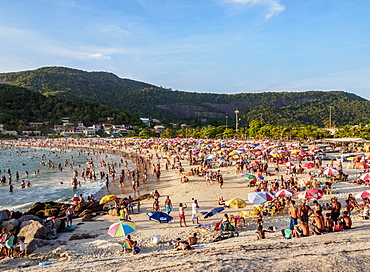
168,205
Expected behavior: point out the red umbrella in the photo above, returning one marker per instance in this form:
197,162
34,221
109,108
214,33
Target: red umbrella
309,165
284,193
317,191
364,194
289,164
307,195
365,176
330,171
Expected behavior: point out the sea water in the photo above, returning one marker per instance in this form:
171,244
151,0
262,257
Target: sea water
48,184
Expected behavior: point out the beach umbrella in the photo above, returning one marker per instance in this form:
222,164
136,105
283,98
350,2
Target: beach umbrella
365,177
317,191
284,193
364,194
107,198
294,152
258,198
160,217
330,171
214,211
289,164
250,176
276,155
307,195
121,228
309,165
236,203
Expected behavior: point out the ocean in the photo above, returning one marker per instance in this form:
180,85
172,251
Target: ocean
47,184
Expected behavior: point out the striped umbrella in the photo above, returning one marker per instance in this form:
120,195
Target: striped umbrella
330,171
365,177
284,193
121,228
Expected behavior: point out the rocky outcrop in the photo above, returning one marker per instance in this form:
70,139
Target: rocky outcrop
9,225
33,229
79,236
4,215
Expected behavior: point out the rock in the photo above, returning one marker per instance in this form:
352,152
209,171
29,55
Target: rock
15,215
40,214
33,229
38,206
51,212
35,243
10,224
95,206
50,230
82,206
29,217
79,236
4,215
87,218
85,212
113,212
57,223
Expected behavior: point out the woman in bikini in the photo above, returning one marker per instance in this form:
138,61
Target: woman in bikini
182,208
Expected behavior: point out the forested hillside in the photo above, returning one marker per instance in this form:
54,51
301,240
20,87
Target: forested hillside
146,100
18,106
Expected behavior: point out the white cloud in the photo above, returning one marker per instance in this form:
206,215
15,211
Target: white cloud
98,56
273,6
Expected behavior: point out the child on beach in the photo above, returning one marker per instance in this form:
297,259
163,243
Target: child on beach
22,247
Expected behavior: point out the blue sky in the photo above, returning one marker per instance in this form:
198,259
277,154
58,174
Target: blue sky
218,46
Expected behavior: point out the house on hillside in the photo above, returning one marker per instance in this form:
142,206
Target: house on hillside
89,132
97,126
160,127
31,133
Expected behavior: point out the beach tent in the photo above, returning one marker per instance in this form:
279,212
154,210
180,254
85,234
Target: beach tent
236,203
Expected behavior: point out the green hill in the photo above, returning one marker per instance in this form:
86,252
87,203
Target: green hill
19,106
146,100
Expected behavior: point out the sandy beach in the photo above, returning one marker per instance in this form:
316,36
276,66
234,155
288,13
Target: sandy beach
340,251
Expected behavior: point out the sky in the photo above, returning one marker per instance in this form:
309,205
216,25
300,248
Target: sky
213,46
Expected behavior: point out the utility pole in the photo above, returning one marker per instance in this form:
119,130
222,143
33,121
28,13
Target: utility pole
227,117
236,119
330,107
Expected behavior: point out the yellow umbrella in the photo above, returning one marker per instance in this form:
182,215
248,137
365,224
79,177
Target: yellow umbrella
236,203
294,152
107,198
276,155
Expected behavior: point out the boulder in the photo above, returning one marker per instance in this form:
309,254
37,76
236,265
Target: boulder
51,212
33,229
15,215
10,224
79,236
4,215
35,243
87,211
57,223
82,206
29,217
87,218
95,206
113,212
38,206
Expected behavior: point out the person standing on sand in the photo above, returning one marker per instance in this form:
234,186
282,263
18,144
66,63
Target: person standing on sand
194,211
182,208
70,213
293,212
168,205
304,211
335,211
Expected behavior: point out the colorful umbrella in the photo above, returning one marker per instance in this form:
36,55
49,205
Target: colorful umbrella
309,165
121,228
284,193
258,198
364,194
236,203
107,198
250,176
365,177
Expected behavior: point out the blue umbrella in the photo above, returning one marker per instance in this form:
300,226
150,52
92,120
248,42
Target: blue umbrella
160,217
214,211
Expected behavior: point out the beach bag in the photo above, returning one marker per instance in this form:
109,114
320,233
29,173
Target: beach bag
338,227
136,250
287,233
